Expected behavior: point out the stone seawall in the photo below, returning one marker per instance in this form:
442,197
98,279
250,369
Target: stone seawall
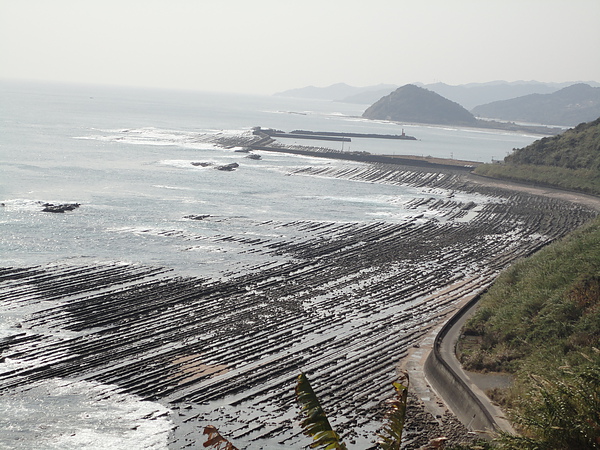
455,391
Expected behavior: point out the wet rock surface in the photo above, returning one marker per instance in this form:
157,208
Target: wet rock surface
421,427
228,167
60,208
341,302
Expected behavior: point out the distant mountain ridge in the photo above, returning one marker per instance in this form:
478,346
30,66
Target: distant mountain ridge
568,107
411,103
474,94
467,95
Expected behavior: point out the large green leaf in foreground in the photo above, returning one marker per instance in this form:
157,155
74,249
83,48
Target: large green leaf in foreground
315,423
391,434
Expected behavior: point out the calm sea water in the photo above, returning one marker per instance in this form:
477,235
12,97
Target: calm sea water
125,155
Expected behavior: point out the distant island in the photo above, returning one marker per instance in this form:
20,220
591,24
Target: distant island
555,104
414,104
569,106
411,103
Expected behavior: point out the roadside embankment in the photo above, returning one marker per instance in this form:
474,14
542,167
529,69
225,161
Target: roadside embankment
444,372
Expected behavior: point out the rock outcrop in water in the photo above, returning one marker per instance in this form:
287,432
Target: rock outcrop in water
60,208
228,167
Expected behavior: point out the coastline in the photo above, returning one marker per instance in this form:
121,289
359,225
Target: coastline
257,330
437,399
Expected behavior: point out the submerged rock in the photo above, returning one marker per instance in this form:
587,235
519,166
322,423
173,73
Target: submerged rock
197,216
61,208
228,167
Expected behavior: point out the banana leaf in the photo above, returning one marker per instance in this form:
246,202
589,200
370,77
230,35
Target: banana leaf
390,436
315,423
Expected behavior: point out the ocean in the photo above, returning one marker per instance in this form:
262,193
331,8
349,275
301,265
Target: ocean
125,155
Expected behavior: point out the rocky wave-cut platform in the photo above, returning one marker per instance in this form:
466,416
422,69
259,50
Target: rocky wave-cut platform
344,306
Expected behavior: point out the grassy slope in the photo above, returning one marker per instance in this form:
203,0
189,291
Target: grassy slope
541,321
546,307
570,160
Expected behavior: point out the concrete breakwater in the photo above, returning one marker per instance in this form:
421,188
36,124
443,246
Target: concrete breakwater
342,302
266,142
361,157
331,135
259,140
306,135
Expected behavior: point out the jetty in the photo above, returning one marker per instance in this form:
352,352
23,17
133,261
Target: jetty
356,135
340,136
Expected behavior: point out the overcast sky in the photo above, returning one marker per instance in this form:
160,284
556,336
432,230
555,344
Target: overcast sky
266,46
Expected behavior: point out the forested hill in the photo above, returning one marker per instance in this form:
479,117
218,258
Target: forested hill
577,148
540,321
569,106
570,160
411,103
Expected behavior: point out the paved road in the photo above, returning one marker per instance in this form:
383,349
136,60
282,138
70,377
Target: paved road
434,400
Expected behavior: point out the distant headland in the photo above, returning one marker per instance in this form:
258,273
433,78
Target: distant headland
511,106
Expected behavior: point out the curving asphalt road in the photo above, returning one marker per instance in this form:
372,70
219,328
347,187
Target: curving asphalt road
436,375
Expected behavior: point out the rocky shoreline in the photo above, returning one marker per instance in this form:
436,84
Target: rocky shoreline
343,302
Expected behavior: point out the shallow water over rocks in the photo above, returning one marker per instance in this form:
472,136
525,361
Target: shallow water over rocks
341,301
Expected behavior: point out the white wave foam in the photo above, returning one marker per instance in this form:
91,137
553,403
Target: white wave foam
20,204
163,137
187,164
67,414
175,188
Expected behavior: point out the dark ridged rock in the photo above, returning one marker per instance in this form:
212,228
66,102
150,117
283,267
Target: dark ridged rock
228,167
61,208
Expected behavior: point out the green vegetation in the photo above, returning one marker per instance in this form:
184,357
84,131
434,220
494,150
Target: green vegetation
560,412
541,322
570,160
576,148
390,437
316,424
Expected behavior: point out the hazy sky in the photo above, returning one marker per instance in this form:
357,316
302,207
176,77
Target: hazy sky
266,46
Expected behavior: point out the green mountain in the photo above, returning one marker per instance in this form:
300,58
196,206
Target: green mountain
474,94
570,160
576,148
411,103
569,106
